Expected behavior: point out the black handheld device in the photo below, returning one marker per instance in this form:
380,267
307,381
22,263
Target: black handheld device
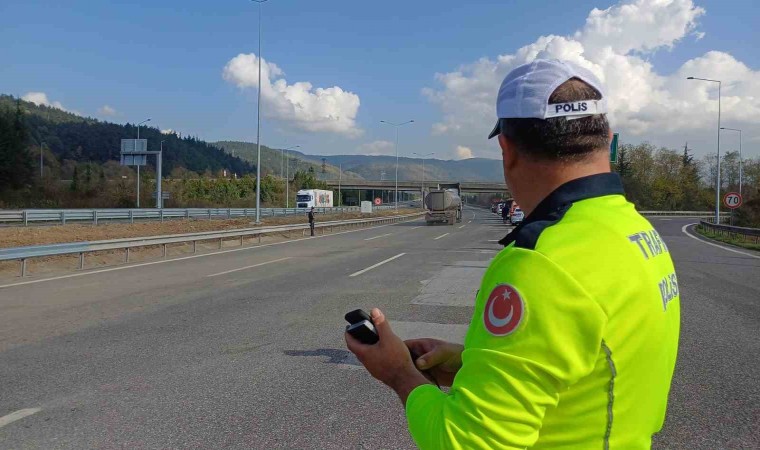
361,327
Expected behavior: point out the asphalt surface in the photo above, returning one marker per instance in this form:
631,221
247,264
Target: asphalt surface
244,349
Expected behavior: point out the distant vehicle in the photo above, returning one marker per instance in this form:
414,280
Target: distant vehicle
317,198
443,205
517,216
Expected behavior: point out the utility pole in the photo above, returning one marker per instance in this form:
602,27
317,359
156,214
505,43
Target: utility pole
159,192
138,166
258,127
396,125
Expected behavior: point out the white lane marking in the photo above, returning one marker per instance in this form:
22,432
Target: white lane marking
493,240
441,236
248,267
377,237
164,261
683,229
666,219
17,415
470,221
462,226
410,229
356,274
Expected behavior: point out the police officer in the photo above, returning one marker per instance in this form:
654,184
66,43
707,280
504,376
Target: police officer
311,220
575,328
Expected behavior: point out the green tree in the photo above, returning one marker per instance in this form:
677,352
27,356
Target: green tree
15,158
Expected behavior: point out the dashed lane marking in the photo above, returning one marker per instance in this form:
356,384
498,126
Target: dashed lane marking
374,266
441,236
164,261
17,415
248,267
378,237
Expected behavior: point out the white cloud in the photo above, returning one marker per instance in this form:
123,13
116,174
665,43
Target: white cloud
168,131
463,152
377,148
41,98
614,44
312,109
106,110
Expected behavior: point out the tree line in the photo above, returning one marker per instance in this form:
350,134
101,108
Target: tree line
80,169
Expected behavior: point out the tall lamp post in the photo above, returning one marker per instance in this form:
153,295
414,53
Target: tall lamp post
287,182
282,157
423,173
717,181
396,125
258,127
159,191
740,155
138,166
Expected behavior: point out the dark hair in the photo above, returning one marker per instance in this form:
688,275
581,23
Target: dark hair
558,138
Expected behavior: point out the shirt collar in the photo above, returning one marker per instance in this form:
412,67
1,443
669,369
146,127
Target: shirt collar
560,199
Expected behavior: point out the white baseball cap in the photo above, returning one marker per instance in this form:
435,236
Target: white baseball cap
525,92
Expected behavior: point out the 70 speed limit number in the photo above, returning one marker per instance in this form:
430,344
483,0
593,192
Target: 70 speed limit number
732,200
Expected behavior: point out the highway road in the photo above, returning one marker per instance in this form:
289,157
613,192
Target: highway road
244,348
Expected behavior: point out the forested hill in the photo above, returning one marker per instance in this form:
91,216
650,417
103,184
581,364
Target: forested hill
81,139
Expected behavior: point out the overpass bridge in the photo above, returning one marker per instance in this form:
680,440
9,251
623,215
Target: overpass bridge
467,187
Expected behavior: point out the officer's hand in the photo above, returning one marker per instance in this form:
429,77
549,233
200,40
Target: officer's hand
388,360
440,359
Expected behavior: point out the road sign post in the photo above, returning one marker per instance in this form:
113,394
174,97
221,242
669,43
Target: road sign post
732,200
134,152
614,148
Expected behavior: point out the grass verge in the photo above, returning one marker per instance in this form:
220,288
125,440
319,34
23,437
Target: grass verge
738,241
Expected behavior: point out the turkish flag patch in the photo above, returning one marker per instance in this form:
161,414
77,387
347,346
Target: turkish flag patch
504,310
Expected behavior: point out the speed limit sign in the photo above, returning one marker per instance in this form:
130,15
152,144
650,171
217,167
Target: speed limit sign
378,201
732,200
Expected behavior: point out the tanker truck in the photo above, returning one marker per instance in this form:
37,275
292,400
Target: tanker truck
444,206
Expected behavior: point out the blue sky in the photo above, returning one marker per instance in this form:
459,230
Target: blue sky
165,60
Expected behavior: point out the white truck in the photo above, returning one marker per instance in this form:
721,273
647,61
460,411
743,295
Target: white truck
317,198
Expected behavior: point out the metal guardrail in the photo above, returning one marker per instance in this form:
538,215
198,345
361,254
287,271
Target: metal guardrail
682,213
22,254
26,217
748,234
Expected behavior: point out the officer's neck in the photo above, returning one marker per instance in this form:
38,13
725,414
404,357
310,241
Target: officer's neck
534,180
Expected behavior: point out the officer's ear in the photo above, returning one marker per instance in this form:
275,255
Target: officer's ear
508,153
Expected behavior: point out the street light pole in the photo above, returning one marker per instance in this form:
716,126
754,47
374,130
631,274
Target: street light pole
396,125
159,192
138,166
282,155
717,182
287,183
741,162
258,127
423,173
